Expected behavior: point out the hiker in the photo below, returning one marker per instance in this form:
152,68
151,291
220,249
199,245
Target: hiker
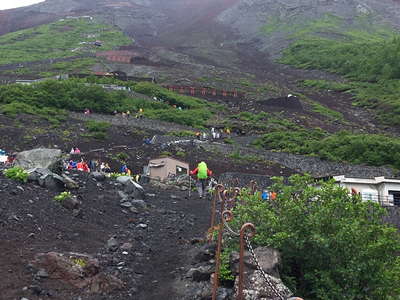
124,168
203,173
147,141
92,165
204,136
128,113
107,168
79,166
213,133
265,195
198,134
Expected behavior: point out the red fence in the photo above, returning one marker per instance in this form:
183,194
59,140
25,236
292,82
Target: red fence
204,91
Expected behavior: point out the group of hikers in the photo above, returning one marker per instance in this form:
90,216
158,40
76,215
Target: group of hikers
214,134
6,159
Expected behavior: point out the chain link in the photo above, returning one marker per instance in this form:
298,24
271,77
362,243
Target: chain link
263,274
229,229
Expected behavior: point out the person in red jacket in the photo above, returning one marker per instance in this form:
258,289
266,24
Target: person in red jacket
203,174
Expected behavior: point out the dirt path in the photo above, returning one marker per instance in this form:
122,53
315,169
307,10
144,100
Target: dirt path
143,123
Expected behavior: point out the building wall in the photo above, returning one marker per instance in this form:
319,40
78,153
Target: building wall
380,191
169,168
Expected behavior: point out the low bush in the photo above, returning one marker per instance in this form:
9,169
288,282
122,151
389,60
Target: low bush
63,196
371,149
17,173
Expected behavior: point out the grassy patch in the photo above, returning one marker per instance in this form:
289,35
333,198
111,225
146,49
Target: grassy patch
368,55
371,149
57,40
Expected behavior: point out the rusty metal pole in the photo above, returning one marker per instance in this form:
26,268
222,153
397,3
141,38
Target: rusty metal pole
228,216
243,230
217,195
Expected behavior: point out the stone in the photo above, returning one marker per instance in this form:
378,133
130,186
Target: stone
42,273
133,210
123,196
139,204
202,273
47,179
112,244
206,252
126,246
70,183
268,258
126,204
142,226
92,267
256,287
98,176
40,158
131,187
71,203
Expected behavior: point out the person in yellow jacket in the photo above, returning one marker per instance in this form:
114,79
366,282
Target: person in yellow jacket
203,174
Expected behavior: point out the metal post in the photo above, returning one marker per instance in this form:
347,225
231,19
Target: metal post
243,230
217,195
227,215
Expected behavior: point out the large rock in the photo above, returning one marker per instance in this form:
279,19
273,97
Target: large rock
257,288
40,158
61,267
268,258
47,179
70,183
132,188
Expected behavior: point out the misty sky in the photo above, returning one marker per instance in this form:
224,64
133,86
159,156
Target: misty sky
6,4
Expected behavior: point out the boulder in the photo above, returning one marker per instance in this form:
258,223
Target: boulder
40,158
132,188
257,288
71,203
70,183
202,273
46,178
60,267
139,204
268,258
205,252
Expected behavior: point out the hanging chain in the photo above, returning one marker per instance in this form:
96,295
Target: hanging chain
229,229
263,274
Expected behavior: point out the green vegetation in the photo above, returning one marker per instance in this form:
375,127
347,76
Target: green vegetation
368,55
57,40
79,262
97,129
116,175
14,108
62,196
16,173
333,245
76,95
371,149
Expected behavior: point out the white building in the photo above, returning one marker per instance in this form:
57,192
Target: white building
379,189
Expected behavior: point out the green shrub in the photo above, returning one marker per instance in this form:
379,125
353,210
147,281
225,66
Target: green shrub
115,175
371,149
95,126
17,173
62,196
329,240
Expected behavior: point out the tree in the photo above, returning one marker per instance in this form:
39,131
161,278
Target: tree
333,245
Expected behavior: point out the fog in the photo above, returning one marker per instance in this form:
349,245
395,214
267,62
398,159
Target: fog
7,4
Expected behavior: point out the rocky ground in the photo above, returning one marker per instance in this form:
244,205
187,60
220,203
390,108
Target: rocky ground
145,249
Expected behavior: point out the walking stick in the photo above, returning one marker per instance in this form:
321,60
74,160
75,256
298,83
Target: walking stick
190,185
